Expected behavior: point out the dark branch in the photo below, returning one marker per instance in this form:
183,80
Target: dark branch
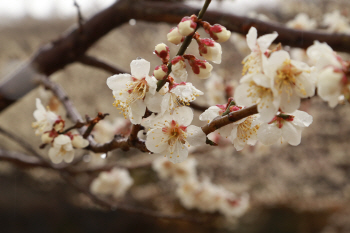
97,63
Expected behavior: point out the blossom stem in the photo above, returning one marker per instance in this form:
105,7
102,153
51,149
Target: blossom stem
184,45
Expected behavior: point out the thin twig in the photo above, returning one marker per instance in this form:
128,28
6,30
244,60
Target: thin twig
97,63
80,17
92,123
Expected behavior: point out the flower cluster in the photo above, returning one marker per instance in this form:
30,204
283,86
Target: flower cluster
202,195
113,183
50,127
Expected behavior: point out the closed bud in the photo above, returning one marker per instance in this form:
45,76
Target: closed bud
174,36
179,69
160,72
201,68
79,142
46,138
162,51
210,50
187,26
219,33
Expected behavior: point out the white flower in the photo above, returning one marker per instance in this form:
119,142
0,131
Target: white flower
290,80
241,132
258,46
180,172
210,50
286,126
336,22
175,37
231,205
187,26
256,89
115,183
171,134
131,91
302,22
105,130
45,119
330,73
219,33
62,149
178,69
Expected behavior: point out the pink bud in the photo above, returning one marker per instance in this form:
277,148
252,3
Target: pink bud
219,33
162,51
187,26
210,50
160,72
174,36
201,68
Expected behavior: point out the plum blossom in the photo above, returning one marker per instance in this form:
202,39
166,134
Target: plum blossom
330,72
286,126
253,63
290,80
45,119
219,33
131,92
215,87
201,68
241,132
175,37
62,149
210,50
162,51
178,70
160,72
187,26
171,134
256,89
302,22
335,22
115,183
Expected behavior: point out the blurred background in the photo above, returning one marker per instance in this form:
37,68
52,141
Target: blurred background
292,189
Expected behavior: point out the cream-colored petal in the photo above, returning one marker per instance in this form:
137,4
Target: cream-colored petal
140,68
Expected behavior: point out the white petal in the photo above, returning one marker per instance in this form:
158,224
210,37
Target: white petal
289,104
266,108
180,153
118,82
301,118
262,80
53,155
137,110
69,156
140,68
268,134
291,133
195,136
251,38
153,102
241,95
225,131
210,113
39,105
274,62
61,140
183,115
154,141
265,41
152,84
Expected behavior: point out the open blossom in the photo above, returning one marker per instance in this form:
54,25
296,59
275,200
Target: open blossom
131,92
62,149
286,126
210,50
180,172
45,119
115,183
215,87
332,81
258,46
290,80
241,132
256,89
172,134
336,22
302,22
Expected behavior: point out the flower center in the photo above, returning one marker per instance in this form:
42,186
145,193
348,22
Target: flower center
279,119
245,129
286,78
257,92
175,132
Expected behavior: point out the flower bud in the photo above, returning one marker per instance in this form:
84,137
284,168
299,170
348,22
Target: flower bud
187,26
162,51
201,68
210,50
59,125
160,72
46,137
174,36
79,142
219,33
179,68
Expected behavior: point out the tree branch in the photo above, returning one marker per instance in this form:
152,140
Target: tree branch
99,64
